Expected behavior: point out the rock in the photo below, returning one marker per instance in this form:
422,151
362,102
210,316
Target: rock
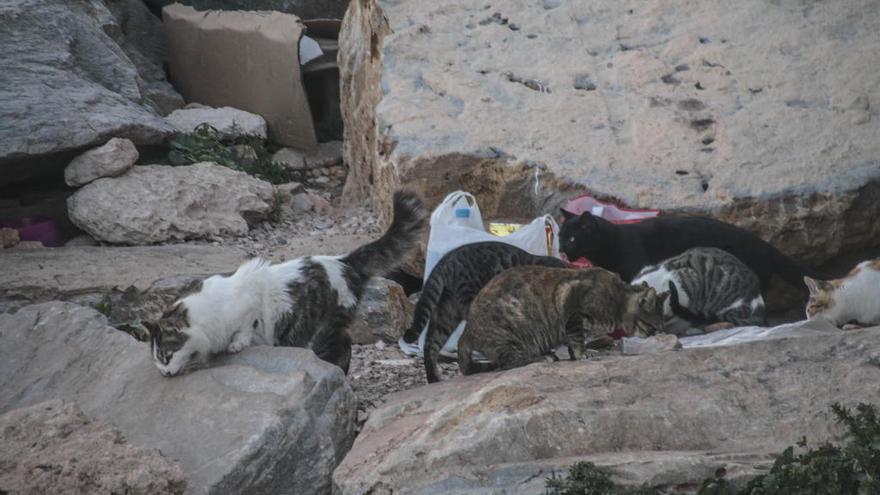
52,447
28,245
684,117
230,122
650,345
286,192
8,237
156,203
82,240
66,85
309,201
290,158
266,420
139,34
384,313
110,160
670,418
327,154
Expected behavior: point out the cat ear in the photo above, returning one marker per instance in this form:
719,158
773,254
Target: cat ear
812,285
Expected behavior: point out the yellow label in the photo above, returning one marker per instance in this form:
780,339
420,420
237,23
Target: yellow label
503,229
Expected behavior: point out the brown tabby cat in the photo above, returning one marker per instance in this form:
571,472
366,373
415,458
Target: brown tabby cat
524,313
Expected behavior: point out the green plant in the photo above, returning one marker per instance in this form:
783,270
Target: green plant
849,469
205,144
584,478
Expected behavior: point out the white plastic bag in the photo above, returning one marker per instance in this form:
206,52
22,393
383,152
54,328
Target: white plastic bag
457,221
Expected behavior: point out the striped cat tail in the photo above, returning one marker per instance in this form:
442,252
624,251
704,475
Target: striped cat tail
427,302
433,343
394,247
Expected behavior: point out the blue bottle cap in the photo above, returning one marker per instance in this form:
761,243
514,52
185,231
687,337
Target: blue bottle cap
462,213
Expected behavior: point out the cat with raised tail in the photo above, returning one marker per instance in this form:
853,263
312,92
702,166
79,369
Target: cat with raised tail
853,299
626,248
454,283
306,302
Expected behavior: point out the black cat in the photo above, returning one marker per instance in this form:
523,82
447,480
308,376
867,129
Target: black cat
627,248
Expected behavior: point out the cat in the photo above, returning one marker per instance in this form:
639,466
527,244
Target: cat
707,286
526,312
306,302
453,284
854,298
626,248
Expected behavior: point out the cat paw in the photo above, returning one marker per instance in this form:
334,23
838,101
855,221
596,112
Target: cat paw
236,346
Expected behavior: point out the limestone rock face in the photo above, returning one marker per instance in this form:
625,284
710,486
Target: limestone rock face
110,160
384,313
670,418
66,84
155,203
229,122
267,420
762,116
52,447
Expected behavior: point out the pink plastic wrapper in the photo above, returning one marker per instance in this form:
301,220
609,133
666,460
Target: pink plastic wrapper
608,211
41,229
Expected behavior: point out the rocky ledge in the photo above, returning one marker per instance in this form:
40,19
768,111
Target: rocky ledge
762,115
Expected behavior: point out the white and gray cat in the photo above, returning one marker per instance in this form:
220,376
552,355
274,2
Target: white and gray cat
710,286
306,302
853,299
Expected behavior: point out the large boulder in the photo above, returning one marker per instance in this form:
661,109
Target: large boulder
66,84
671,418
112,159
52,447
762,115
266,420
155,203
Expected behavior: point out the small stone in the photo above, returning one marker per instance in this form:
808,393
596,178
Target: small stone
322,180
290,158
82,240
27,245
650,345
583,82
383,314
326,155
114,158
285,192
8,238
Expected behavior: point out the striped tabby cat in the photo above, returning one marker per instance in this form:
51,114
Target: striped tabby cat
525,313
454,283
710,285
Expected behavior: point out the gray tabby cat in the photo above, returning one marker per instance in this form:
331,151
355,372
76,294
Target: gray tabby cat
453,284
525,313
306,302
710,286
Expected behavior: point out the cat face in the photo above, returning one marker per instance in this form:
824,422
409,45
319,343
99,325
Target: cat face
647,315
173,344
821,303
581,235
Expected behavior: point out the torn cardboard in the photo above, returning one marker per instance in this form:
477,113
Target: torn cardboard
245,60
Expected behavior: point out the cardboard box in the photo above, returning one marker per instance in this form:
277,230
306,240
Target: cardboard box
245,60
